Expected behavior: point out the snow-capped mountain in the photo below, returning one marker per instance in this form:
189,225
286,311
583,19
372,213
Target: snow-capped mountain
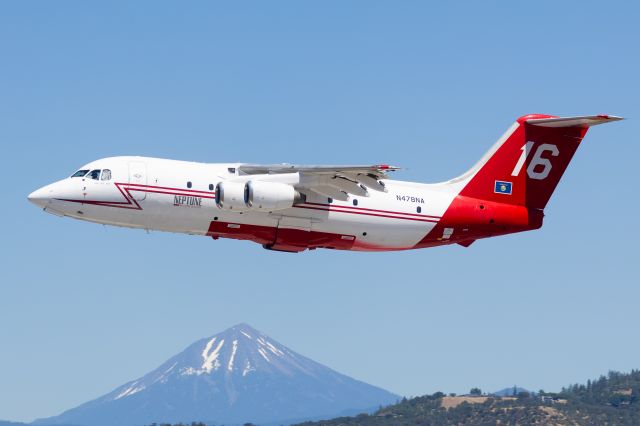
237,376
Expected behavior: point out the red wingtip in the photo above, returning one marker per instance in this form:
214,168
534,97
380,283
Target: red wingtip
384,167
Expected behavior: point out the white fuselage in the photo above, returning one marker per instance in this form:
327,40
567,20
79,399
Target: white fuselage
178,196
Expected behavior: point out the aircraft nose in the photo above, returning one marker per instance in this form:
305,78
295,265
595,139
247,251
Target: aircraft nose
41,197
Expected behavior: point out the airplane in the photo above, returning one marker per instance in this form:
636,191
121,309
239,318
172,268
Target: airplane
292,208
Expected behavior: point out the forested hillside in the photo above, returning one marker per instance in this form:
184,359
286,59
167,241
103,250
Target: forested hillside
609,400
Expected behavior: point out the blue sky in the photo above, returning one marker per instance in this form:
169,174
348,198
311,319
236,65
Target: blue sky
84,308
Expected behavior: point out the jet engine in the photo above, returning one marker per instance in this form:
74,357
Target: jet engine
269,196
230,196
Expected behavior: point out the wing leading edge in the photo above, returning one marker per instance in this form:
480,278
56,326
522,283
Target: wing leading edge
337,182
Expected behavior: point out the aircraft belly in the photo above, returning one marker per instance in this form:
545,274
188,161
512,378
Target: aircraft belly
356,231
92,212
373,232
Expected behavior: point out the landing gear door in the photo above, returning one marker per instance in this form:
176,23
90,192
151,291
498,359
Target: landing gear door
293,234
137,176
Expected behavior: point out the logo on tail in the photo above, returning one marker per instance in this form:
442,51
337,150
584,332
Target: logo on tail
502,187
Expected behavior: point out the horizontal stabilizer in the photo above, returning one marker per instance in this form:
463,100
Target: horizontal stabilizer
582,121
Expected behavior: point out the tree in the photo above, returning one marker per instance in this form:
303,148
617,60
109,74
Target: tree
475,392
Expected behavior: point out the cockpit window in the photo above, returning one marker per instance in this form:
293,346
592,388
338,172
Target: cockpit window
79,173
106,174
94,174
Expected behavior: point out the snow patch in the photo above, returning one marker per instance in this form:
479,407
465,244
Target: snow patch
246,335
190,371
130,390
233,355
247,369
162,377
274,349
264,354
211,359
136,390
207,348
268,345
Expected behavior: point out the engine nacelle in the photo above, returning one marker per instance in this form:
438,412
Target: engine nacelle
269,196
231,196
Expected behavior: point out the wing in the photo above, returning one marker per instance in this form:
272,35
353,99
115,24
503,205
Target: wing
336,182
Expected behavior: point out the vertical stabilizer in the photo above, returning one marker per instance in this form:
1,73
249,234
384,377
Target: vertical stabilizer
526,164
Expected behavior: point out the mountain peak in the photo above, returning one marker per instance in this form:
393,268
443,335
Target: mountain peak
239,349
243,325
237,375
240,330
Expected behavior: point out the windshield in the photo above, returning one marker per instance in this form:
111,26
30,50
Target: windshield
80,173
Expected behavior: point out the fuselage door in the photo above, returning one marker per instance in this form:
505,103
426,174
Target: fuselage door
137,176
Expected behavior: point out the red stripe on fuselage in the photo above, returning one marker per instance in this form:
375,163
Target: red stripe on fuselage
190,191
374,210
131,203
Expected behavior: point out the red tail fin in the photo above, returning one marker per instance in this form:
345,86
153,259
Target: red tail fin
526,164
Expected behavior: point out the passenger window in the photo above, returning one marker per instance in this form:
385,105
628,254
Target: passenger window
106,175
80,173
355,201
210,187
94,174
188,184
419,209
